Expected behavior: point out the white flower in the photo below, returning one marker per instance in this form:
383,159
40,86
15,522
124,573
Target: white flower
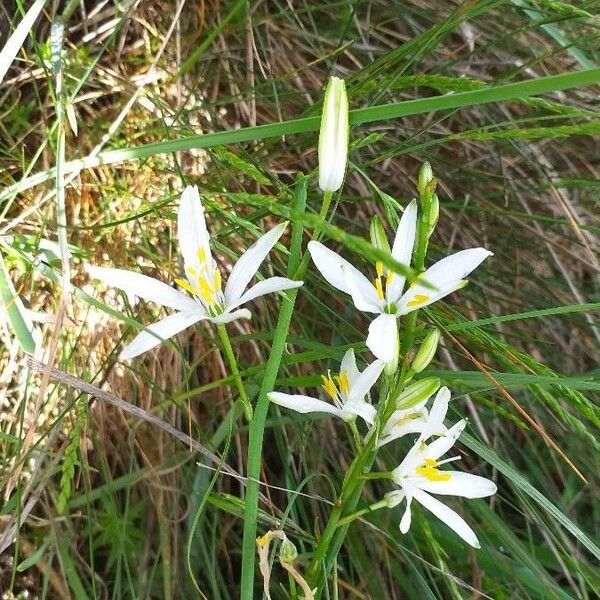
347,391
417,419
419,476
384,297
333,137
205,300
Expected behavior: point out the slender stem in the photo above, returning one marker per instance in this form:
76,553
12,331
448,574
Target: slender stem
228,349
363,511
323,557
296,268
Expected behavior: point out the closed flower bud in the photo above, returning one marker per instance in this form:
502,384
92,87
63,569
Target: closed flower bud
425,180
417,392
426,351
434,213
333,137
378,237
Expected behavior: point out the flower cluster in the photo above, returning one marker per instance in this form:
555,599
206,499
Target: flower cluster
418,475
405,406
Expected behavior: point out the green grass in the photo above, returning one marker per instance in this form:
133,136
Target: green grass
500,97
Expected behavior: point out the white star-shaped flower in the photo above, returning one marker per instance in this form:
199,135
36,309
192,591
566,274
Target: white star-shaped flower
386,296
347,391
417,419
419,477
204,298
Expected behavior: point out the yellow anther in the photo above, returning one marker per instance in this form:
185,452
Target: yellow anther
430,471
418,300
186,286
379,288
217,279
389,278
329,387
192,271
206,291
201,254
379,268
343,382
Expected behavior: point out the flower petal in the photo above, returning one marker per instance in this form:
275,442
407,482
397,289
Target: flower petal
363,292
382,340
267,286
248,263
160,331
394,431
349,367
145,287
459,484
402,249
448,516
445,275
440,446
365,381
242,313
334,269
437,414
407,516
191,228
360,409
303,404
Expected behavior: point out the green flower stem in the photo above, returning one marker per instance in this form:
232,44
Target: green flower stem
363,511
296,269
354,481
228,349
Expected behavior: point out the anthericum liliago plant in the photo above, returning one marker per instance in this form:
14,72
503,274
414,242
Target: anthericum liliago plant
405,389
397,410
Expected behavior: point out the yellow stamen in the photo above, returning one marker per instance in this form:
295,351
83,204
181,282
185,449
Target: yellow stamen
192,271
186,286
379,268
343,382
389,278
430,471
329,387
206,291
201,254
217,279
418,300
379,289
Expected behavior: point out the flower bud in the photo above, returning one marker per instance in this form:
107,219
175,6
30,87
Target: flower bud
434,213
288,552
333,137
417,392
426,180
426,352
378,237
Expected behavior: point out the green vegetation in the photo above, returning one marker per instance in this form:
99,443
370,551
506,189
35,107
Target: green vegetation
148,478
